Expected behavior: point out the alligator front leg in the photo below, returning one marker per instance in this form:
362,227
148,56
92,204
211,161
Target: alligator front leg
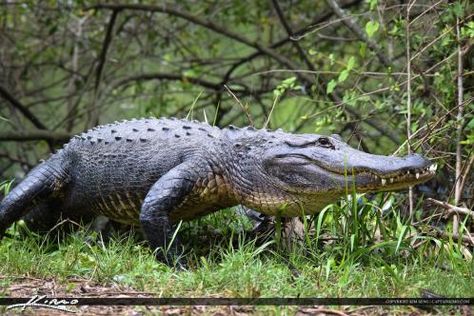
165,196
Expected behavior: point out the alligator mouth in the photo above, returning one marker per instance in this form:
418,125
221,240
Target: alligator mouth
407,176
366,179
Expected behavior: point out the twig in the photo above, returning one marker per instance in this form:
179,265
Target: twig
445,32
466,172
271,111
34,135
301,32
289,31
94,113
459,128
466,238
249,118
20,107
165,76
408,54
355,28
452,209
204,23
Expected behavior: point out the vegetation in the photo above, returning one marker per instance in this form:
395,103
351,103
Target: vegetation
389,76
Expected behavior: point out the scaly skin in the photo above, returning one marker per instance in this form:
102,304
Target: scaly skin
155,172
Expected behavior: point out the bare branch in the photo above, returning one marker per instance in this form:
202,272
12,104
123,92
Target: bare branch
354,27
469,238
20,107
452,210
459,127
35,135
100,66
409,105
166,76
105,47
207,24
289,31
246,111
323,17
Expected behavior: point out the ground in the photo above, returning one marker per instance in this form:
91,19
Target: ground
334,259
29,286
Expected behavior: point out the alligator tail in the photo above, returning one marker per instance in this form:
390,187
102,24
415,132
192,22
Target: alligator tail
41,183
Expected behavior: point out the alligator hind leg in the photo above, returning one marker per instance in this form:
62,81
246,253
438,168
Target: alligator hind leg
41,184
50,217
42,217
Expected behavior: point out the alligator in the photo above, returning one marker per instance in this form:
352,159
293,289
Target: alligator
153,173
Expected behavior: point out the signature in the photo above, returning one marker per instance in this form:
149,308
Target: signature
43,301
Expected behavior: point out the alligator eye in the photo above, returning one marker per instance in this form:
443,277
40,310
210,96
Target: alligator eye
325,142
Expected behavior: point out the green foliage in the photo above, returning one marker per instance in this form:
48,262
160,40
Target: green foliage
331,86
372,4
343,75
468,30
161,64
287,84
354,244
371,28
5,186
469,133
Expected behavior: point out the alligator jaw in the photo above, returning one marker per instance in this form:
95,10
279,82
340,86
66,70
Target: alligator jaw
370,173
368,181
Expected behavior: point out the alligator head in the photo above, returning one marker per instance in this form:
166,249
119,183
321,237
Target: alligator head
316,170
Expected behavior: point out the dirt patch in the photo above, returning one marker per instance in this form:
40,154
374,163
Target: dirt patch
83,288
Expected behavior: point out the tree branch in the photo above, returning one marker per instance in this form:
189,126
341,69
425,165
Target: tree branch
35,135
105,47
20,107
166,76
289,31
355,28
379,127
468,238
459,126
100,67
323,17
374,124
205,23
452,210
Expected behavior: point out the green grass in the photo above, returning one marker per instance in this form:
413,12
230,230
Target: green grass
247,270
352,250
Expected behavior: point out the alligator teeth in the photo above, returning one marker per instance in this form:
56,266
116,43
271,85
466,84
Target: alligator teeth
384,181
391,180
433,167
417,175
